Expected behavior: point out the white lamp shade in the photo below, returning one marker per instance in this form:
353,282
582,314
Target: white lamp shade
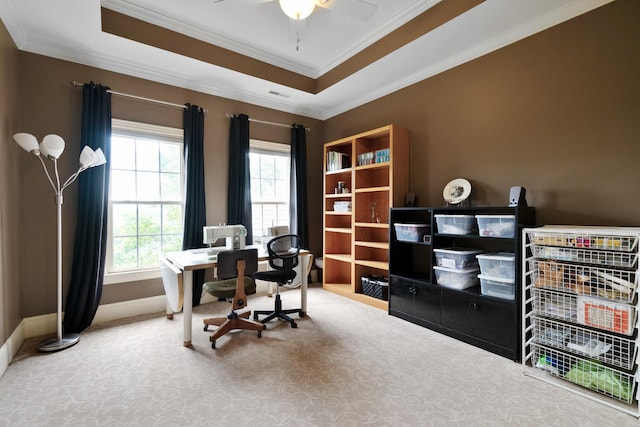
87,157
28,142
297,9
52,146
100,158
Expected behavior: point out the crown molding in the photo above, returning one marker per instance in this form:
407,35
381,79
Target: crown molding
320,106
163,75
125,7
397,22
189,29
484,47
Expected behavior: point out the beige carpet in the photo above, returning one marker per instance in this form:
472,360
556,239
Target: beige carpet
346,364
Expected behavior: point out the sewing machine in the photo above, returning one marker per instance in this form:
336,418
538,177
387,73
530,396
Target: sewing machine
234,236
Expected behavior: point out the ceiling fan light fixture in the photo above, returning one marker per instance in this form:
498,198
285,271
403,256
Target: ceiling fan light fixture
297,9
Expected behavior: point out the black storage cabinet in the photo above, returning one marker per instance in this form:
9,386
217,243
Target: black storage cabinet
466,314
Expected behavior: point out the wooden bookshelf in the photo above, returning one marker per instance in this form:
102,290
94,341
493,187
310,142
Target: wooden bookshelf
374,171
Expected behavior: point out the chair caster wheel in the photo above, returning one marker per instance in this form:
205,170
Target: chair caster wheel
213,345
294,325
206,328
259,334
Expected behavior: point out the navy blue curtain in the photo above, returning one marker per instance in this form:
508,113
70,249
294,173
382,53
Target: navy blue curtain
194,208
298,206
239,181
87,272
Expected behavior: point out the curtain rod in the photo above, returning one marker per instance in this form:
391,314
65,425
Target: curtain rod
228,116
140,98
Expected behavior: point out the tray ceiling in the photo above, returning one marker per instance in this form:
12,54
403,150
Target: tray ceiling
246,49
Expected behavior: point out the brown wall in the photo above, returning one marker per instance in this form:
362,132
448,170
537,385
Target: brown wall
558,113
10,290
51,105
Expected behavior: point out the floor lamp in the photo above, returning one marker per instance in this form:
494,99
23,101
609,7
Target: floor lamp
52,147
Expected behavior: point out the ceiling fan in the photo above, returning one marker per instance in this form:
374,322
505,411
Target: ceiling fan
301,9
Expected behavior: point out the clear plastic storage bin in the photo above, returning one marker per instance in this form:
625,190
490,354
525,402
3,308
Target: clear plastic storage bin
501,265
457,257
411,232
455,224
496,225
457,279
495,287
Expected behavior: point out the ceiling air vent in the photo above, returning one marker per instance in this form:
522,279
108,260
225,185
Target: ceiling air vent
283,95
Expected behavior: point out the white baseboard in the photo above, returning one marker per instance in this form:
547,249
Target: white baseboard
47,323
39,325
120,310
10,348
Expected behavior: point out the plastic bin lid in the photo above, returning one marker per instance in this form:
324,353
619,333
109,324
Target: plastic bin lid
452,216
459,251
496,279
401,224
506,256
457,270
496,216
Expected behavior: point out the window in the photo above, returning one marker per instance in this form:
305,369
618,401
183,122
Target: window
270,168
145,200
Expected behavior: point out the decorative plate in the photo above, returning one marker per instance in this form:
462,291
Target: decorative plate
457,191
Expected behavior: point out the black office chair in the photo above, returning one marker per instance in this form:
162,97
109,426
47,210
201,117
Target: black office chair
235,271
283,258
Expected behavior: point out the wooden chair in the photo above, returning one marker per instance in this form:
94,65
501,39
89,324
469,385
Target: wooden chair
235,271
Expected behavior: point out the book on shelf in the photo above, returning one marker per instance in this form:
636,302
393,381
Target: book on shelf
337,161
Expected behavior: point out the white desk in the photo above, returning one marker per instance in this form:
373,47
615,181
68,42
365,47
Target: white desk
180,292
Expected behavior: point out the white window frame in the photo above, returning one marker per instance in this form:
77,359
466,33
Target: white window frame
143,130
270,148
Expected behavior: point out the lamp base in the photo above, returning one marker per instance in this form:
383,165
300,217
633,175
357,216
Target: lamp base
53,344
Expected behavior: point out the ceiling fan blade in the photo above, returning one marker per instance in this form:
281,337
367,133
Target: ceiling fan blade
358,9
237,4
